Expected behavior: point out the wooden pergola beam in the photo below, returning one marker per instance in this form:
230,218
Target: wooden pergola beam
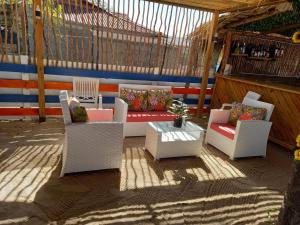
208,60
227,47
282,29
220,6
257,4
39,52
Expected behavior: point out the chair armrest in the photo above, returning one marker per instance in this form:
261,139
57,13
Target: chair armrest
226,105
253,129
91,128
121,108
218,116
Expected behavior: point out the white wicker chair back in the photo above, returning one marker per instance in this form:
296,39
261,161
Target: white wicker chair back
63,98
86,91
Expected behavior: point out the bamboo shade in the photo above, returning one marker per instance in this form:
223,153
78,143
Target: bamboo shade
136,36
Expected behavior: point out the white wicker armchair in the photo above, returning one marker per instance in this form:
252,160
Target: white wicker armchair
90,146
248,138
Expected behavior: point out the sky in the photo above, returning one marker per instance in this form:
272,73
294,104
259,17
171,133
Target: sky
164,18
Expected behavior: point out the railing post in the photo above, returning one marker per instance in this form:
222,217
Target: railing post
227,46
39,53
208,59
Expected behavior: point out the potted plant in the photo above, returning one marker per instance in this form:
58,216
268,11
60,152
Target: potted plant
180,109
290,210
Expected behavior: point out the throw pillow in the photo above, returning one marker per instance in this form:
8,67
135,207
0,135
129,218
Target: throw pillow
73,103
136,99
79,114
159,100
235,113
253,113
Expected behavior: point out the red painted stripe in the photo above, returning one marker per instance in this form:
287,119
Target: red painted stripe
58,85
55,111
193,91
51,85
109,87
18,84
193,111
29,111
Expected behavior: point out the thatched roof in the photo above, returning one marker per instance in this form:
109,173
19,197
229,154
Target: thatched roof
236,19
233,20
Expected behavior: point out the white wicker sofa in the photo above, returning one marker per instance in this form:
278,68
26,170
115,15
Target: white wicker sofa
135,122
91,145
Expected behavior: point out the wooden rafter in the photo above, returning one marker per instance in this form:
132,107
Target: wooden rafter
221,5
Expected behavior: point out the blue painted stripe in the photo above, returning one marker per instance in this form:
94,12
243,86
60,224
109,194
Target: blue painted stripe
27,98
191,101
18,68
55,99
101,74
108,100
119,75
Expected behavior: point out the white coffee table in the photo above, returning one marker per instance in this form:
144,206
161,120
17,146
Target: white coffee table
163,140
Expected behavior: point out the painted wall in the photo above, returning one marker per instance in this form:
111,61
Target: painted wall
18,87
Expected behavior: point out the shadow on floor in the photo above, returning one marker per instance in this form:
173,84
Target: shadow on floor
205,190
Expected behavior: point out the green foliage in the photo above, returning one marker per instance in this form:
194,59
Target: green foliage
52,9
296,6
180,109
279,20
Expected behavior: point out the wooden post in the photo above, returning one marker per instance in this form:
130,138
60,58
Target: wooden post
38,27
192,61
208,59
159,36
227,47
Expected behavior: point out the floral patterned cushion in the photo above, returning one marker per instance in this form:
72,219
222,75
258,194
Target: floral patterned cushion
73,103
253,113
159,100
235,113
136,99
245,112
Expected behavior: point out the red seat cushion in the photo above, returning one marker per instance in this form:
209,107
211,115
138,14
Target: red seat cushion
225,129
149,116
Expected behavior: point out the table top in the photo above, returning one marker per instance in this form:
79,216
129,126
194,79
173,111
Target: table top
165,127
168,133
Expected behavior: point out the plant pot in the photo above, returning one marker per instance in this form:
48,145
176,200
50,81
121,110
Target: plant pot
178,122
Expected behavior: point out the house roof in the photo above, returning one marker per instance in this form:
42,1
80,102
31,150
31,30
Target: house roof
99,17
